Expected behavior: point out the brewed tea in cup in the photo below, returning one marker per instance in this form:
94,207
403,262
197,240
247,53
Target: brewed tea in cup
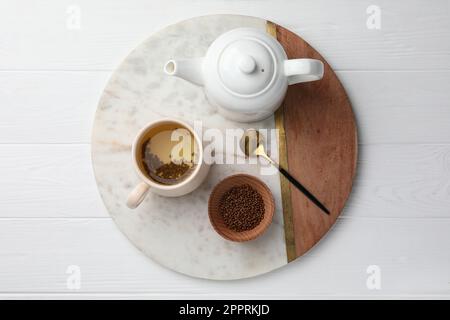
169,154
168,157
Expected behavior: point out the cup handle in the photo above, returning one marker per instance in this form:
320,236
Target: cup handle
137,195
303,70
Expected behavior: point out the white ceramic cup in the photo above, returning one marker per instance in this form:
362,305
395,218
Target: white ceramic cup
183,187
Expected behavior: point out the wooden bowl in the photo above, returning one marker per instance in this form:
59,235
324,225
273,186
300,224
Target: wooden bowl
216,218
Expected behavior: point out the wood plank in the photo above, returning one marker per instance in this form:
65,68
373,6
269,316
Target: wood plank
36,36
187,296
49,107
321,145
401,180
412,254
399,107
390,107
393,181
48,181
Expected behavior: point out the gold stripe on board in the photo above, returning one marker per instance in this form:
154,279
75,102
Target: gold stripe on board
284,183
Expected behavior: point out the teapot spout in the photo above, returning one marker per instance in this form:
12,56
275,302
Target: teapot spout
188,69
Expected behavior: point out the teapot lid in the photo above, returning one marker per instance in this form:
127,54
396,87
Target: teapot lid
246,67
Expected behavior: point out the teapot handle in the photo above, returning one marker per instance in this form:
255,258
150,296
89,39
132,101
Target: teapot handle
303,70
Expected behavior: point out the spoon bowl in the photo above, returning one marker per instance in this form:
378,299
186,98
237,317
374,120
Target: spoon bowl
250,141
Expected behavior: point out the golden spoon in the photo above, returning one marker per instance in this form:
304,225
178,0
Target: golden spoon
252,144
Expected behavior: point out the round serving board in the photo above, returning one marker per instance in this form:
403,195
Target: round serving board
317,142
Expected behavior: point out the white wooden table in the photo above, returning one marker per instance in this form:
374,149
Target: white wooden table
56,238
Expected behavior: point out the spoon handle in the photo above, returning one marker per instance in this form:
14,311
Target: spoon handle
305,191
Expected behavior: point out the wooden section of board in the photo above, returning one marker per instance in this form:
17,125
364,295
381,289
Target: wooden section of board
321,146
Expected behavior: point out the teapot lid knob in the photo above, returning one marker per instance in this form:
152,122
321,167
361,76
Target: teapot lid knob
247,64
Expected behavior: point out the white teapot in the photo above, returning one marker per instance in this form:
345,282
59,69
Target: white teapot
245,73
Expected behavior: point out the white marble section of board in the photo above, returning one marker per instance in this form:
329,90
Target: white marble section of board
176,231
